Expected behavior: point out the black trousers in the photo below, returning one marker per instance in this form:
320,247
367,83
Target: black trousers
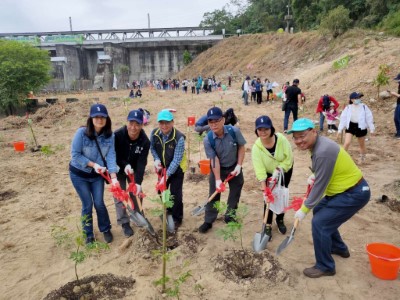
235,189
175,183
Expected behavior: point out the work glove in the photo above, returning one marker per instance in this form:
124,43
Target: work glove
157,165
237,170
114,182
138,189
311,179
300,215
219,186
128,169
99,169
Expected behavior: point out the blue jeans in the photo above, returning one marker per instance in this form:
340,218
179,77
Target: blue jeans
329,215
397,119
290,107
91,192
245,98
321,121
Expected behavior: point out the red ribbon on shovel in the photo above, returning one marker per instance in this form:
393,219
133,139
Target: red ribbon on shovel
297,202
222,186
161,186
268,190
116,190
132,187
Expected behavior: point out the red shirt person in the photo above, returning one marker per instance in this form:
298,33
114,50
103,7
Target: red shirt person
323,105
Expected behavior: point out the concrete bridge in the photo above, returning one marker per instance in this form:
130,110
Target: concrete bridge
89,59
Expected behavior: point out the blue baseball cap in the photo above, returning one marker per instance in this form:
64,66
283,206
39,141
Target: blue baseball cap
165,115
263,122
214,113
355,95
135,115
301,125
98,110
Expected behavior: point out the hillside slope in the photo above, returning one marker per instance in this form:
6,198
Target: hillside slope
307,56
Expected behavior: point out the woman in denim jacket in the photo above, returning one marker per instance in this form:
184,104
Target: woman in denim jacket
86,165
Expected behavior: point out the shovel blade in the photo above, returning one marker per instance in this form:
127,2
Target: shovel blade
137,219
198,210
260,241
150,228
284,244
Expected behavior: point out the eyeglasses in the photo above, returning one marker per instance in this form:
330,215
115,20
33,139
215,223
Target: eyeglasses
301,137
210,122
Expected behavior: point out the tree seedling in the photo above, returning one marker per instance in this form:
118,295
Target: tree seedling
382,78
234,229
76,240
166,202
37,147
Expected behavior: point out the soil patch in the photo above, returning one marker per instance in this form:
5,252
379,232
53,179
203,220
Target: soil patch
196,177
239,265
102,286
9,194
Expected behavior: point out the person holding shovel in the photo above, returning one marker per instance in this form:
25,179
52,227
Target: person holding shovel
224,145
271,156
92,153
339,191
132,148
167,146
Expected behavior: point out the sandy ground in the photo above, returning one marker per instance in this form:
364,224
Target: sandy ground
36,193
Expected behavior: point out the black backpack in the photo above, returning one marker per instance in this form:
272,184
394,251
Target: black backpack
326,102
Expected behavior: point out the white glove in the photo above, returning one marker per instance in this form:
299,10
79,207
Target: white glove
157,165
311,179
219,186
138,188
300,215
237,170
128,169
99,169
114,181
324,113
276,174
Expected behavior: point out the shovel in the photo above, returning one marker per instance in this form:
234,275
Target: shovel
138,217
288,239
261,239
200,209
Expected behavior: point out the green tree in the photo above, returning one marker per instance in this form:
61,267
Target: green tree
187,57
336,22
382,78
23,68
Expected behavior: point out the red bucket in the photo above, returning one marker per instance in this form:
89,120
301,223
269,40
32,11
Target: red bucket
19,146
191,120
204,166
384,260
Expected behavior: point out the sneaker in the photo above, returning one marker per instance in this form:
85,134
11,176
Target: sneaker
127,229
344,254
89,240
205,227
108,237
285,131
313,272
268,231
281,226
330,131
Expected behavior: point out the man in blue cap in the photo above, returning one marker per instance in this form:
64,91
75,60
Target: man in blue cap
132,148
339,191
224,145
397,109
167,145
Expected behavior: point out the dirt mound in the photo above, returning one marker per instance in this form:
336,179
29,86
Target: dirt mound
102,286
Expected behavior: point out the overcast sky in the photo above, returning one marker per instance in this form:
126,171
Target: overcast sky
53,15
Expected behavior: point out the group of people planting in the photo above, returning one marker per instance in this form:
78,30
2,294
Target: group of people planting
337,189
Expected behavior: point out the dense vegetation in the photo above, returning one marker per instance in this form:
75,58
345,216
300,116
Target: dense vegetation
257,16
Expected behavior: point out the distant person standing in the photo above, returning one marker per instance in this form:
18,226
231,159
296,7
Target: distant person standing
324,105
258,88
293,101
246,90
397,109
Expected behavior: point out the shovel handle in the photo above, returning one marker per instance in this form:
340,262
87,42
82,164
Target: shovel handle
266,213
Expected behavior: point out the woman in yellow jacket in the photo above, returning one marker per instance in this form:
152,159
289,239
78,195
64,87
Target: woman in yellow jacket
271,155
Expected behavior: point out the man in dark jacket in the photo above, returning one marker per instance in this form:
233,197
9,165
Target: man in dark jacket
132,147
293,96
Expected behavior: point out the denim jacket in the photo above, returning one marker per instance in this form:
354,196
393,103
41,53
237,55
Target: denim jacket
84,150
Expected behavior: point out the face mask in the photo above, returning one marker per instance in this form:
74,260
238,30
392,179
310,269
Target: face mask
357,101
